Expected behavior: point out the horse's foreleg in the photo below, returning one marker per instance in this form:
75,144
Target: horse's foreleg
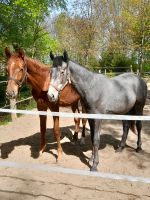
43,119
57,136
126,126
95,126
77,123
139,142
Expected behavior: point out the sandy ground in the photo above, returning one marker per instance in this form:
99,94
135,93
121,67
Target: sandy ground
20,142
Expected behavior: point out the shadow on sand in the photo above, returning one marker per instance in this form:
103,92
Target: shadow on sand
69,148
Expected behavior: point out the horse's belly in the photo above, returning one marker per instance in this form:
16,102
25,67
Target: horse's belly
118,105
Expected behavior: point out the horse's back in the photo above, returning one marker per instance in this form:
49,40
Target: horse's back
120,93
132,83
132,79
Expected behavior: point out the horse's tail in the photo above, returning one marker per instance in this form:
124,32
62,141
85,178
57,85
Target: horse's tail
133,126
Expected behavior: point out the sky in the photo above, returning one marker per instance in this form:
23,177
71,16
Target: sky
56,12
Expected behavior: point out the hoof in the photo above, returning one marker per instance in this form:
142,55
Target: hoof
139,149
59,156
119,149
93,169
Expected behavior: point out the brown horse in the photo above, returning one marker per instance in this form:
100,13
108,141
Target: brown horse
22,69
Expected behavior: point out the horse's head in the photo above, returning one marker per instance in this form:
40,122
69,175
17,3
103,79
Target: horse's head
16,70
59,76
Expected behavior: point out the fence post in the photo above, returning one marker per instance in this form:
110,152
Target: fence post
131,70
13,106
137,72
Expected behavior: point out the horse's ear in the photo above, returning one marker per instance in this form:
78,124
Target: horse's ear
51,55
21,53
15,46
7,52
65,54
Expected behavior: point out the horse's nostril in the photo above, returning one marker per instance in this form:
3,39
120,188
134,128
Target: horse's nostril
7,94
51,96
10,94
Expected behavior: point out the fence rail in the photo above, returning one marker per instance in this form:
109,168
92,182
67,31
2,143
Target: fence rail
79,115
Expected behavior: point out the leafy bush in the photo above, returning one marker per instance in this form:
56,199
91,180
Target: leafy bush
117,62
93,64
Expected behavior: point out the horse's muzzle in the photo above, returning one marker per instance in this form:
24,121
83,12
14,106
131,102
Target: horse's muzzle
10,94
51,97
52,94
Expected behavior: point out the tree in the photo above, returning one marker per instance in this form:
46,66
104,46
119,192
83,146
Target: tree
77,32
138,19
22,22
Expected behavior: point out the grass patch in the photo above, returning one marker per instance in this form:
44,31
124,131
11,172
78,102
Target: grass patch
5,118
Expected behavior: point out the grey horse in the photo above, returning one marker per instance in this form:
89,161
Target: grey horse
123,94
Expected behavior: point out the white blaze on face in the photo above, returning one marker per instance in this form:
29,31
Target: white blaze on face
12,64
12,87
52,94
55,87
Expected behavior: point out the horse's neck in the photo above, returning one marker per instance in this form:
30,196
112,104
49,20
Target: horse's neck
36,77
80,77
79,71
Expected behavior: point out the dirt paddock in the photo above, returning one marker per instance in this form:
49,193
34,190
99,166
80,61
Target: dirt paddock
20,142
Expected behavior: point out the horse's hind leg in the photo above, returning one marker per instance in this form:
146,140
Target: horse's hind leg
139,111
126,126
139,142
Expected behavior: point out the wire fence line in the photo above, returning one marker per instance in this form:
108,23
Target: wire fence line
17,102
24,100
3,82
